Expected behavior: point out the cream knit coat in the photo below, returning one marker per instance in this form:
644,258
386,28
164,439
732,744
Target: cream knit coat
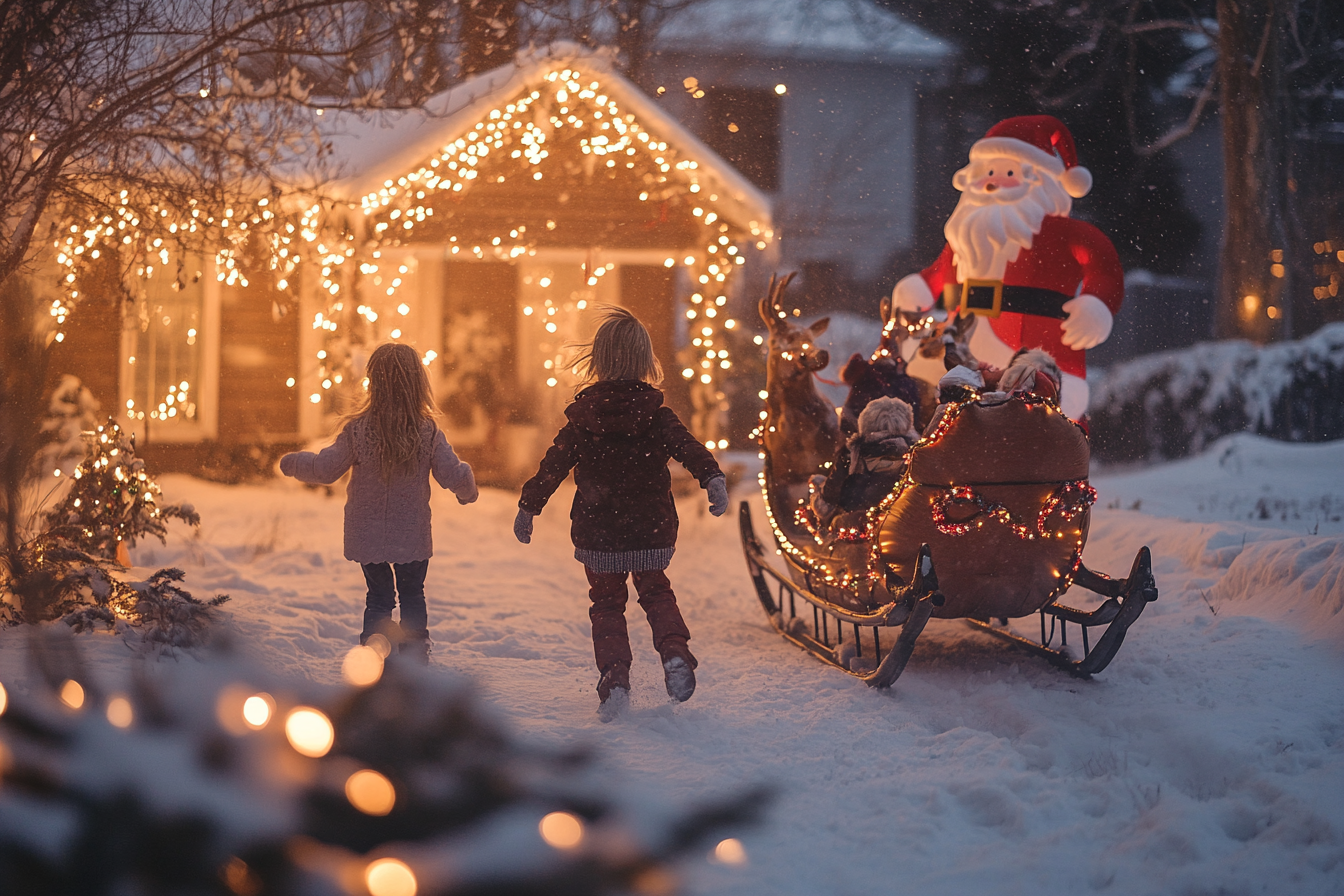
385,521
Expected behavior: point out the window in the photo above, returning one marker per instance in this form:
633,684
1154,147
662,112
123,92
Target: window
170,363
742,125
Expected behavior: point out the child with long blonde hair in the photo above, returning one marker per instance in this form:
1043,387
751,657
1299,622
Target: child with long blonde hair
393,445
618,441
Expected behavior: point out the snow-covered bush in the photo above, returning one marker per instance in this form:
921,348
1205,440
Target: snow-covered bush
1175,403
221,779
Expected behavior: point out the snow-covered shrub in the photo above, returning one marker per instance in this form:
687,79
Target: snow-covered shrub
72,412
1175,403
220,779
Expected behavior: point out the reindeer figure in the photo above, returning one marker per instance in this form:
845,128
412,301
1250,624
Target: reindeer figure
800,431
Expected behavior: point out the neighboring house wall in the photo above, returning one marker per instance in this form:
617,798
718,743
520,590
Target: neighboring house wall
845,190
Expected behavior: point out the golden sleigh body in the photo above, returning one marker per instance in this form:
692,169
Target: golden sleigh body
987,523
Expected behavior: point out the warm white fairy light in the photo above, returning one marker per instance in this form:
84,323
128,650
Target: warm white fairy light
522,132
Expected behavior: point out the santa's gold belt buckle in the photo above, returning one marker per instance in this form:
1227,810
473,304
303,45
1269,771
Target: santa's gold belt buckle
978,287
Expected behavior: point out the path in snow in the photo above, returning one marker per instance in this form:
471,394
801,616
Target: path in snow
1208,758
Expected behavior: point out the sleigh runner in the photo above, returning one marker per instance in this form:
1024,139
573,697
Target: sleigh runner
986,523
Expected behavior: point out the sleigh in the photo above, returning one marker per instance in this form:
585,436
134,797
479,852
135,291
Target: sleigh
986,524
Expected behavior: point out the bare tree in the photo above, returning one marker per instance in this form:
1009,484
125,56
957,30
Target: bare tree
1271,69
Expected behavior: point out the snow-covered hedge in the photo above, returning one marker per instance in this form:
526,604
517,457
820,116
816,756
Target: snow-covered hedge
217,777
1173,404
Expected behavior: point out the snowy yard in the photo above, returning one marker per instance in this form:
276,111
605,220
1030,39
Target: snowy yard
1208,758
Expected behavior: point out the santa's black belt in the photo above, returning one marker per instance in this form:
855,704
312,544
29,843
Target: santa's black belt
991,298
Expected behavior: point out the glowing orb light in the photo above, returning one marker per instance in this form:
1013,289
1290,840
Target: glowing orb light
257,711
380,644
362,666
730,852
370,792
561,830
72,694
120,713
309,731
389,877
4,699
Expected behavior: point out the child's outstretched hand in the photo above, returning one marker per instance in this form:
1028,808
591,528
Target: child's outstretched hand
469,497
522,526
718,495
288,464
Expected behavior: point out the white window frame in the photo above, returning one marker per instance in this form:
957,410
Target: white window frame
206,424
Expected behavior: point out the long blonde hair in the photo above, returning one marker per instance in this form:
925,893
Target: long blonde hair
621,350
398,402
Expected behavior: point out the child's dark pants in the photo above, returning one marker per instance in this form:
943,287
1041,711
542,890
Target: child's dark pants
611,640
387,583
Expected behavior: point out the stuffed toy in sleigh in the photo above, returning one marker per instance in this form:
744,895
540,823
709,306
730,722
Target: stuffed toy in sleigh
986,521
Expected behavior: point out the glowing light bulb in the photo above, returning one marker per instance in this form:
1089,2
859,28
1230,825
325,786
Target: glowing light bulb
120,712
730,852
390,877
72,694
257,711
309,731
370,792
561,830
362,666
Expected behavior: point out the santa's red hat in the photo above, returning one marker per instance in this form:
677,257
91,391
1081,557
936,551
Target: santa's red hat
1041,140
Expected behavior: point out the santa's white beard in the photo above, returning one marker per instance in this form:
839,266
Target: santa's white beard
986,234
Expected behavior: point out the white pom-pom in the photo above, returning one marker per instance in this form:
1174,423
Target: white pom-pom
1077,181
912,294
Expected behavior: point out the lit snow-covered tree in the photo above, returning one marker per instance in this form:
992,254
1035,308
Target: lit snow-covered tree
112,501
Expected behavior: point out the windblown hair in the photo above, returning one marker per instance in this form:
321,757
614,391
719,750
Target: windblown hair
398,402
621,350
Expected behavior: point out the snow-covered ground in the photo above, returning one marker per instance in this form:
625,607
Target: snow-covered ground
1208,758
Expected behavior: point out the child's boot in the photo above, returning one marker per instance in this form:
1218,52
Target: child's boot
678,669
415,647
613,689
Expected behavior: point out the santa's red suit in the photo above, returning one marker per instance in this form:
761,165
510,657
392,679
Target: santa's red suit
1067,256
1039,278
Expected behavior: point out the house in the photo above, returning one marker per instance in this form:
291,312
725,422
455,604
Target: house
482,230
818,104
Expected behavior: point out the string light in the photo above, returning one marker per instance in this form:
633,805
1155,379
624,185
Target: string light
564,108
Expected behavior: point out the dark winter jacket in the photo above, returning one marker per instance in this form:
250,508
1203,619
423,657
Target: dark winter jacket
857,483
867,380
618,441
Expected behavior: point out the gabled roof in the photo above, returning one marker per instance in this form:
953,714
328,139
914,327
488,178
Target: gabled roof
841,30
367,151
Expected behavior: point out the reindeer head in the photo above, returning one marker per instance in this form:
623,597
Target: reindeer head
793,347
899,326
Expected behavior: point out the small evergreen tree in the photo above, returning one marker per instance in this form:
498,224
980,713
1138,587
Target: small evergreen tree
112,500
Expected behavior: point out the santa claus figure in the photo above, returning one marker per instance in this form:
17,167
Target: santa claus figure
1013,255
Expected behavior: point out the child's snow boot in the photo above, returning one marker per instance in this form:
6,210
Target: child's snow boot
613,689
678,670
416,647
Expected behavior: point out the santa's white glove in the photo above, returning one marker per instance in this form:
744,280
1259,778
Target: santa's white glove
1088,324
522,526
718,495
912,294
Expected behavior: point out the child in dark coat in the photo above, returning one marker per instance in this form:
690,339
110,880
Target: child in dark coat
394,447
618,441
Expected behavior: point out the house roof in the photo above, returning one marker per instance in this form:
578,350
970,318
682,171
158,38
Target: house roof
840,30
366,151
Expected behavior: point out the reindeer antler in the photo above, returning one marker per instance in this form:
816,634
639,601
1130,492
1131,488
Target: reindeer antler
773,303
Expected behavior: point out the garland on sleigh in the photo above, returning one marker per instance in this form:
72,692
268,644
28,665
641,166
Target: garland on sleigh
1070,499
